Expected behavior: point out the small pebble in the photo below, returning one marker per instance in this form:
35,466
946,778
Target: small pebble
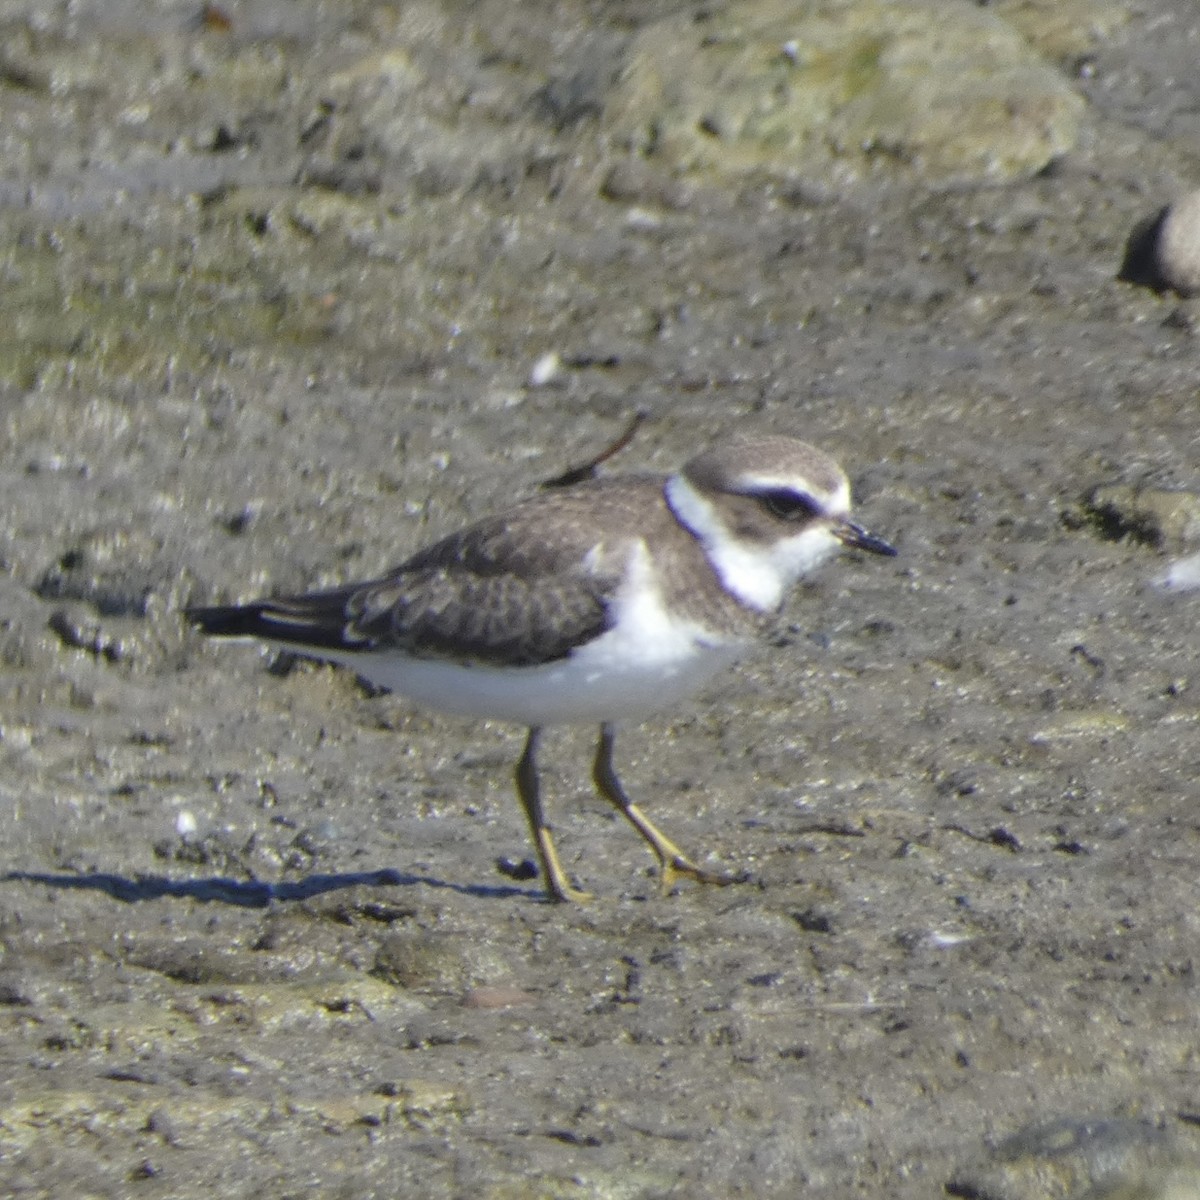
520,870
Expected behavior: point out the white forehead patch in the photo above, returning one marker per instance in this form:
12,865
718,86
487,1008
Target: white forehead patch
835,503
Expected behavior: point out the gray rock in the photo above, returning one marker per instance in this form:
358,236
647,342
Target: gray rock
1094,1158
843,90
1163,251
1155,516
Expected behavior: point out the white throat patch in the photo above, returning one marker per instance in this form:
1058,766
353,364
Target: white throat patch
758,575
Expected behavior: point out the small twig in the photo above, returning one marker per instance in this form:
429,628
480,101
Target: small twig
994,837
587,470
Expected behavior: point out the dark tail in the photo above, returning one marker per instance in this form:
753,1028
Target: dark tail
233,620
317,621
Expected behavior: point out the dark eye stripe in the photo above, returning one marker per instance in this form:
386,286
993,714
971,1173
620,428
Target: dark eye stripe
788,505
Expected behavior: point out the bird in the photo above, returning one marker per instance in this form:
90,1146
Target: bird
598,599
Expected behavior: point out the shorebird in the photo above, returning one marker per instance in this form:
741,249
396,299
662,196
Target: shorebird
598,600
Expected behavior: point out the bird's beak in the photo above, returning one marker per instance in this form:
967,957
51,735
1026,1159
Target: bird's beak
856,537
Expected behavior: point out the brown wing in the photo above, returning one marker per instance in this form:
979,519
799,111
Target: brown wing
515,590
502,620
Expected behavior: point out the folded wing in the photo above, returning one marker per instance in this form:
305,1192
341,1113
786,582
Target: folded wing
481,595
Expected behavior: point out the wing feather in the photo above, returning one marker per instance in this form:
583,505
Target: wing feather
513,590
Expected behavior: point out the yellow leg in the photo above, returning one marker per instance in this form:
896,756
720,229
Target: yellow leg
558,887
672,861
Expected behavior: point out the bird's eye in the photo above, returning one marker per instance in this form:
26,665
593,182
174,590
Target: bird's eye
788,505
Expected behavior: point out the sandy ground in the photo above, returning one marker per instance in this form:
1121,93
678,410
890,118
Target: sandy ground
256,938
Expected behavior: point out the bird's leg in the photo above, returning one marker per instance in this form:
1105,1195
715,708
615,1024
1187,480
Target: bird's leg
529,792
672,861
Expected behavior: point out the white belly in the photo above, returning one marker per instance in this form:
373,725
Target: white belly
649,660
603,681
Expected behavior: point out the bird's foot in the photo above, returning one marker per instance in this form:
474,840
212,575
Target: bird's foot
560,891
678,865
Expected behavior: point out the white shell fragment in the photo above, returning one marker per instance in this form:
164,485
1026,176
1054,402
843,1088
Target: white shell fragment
1183,575
547,370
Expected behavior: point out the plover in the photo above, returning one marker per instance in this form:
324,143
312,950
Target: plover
604,600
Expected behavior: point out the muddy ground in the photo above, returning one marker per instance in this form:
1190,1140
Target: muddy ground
258,935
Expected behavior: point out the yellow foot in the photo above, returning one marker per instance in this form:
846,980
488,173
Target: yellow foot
561,892
669,871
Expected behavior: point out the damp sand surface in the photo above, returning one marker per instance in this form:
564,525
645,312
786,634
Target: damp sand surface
263,933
